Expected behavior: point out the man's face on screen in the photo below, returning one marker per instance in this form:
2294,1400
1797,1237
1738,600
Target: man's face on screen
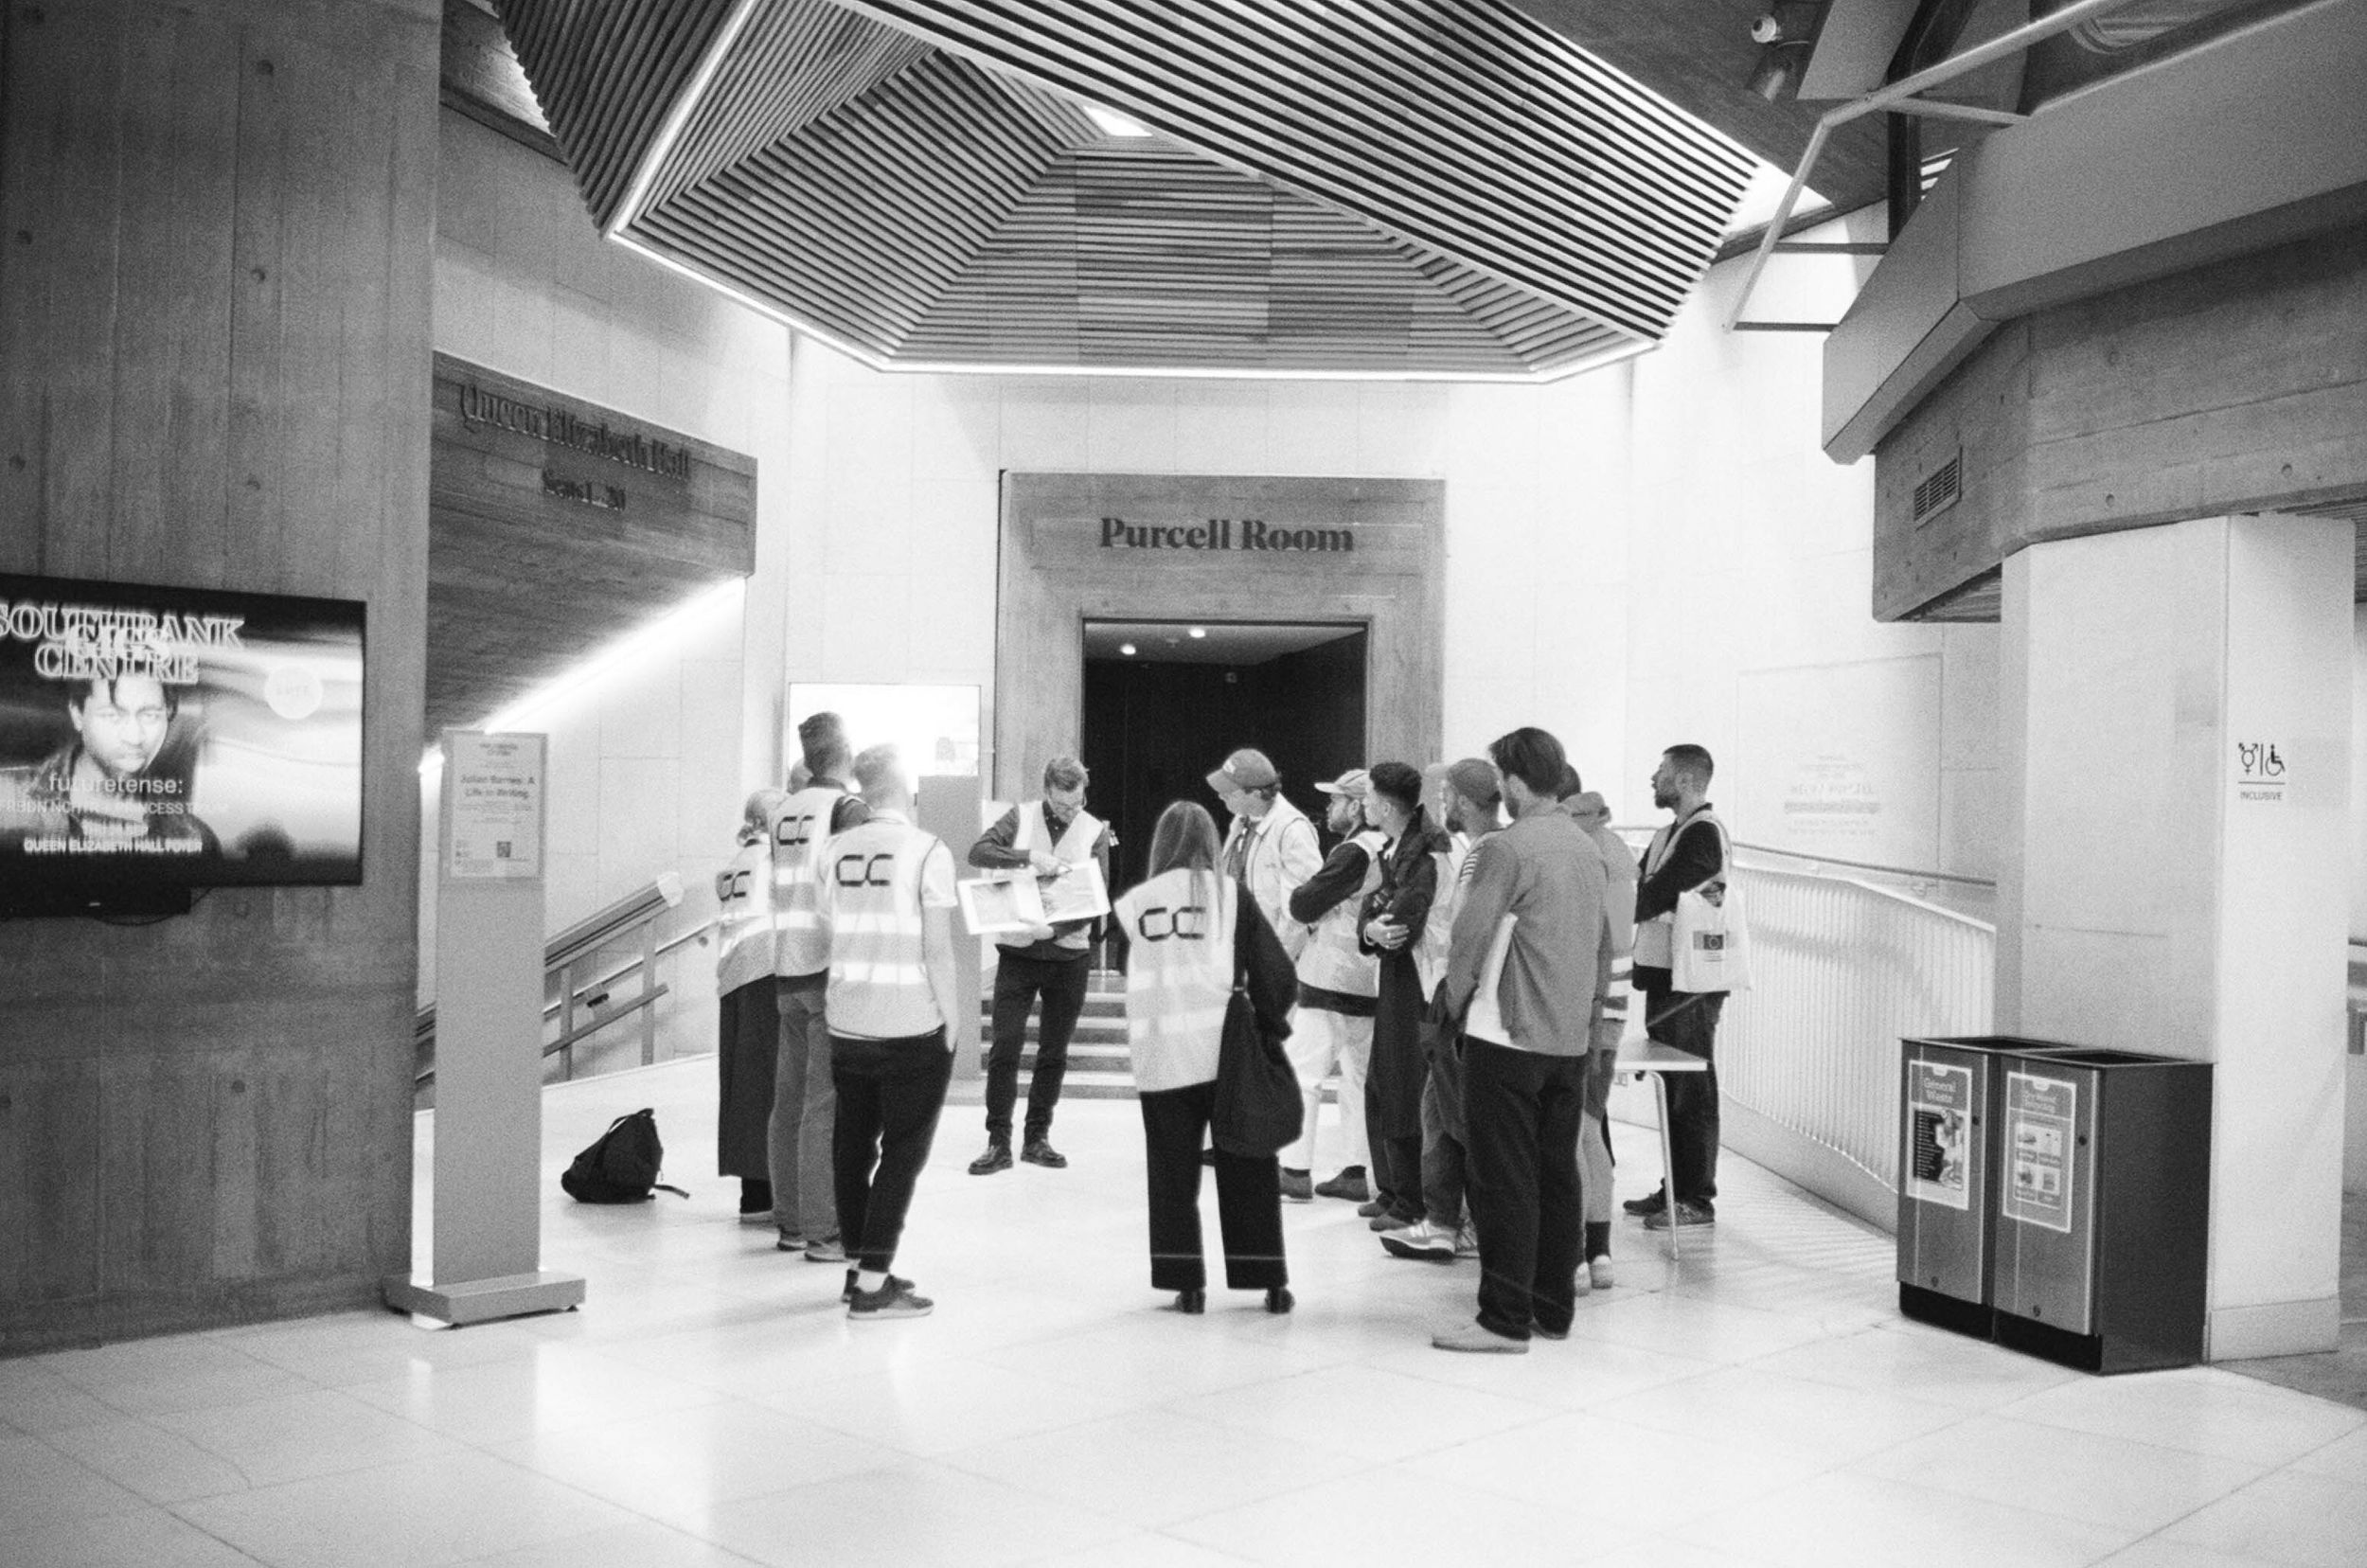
122,723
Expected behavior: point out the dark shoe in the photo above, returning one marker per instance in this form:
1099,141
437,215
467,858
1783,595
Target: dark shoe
1297,1186
1191,1302
1689,1215
1372,1208
1544,1333
1389,1220
1655,1200
849,1293
1350,1184
1037,1153
893,1299
997,1157
1279,1300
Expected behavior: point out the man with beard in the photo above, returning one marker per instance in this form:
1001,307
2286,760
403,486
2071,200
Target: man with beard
101,788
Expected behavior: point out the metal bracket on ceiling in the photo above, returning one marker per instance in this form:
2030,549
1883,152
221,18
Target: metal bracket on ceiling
1902,97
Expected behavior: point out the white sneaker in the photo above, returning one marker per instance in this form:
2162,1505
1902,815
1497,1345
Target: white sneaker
1598,1269
1422,1240
1581,1283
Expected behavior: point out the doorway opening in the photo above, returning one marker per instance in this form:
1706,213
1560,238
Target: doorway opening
1166,701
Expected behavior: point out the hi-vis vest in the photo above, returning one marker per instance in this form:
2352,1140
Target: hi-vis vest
1075,847
1178,976
1330,960
1655,939
743,891
871,877
799,828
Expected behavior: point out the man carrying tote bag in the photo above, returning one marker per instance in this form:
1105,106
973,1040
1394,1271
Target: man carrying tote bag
1685,900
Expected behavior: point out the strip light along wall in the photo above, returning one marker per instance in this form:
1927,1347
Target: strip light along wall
653,640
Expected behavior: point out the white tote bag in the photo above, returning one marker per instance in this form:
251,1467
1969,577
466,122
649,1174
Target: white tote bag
1486,1020
1710,938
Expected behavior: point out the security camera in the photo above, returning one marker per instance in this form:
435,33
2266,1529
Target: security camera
1767,29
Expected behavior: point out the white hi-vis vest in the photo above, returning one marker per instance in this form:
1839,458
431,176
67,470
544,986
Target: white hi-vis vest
743,893
1431,948
798,829
1330,960
871,906
1075,847
1178,976
1655,939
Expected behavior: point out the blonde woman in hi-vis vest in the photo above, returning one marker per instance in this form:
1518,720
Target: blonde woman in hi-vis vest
1181,926
887,902
748,1015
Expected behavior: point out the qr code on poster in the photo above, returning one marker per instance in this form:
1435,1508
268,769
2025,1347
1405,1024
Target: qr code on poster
501,849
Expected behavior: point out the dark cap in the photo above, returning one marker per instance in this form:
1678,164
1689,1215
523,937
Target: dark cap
1246,769
1475,781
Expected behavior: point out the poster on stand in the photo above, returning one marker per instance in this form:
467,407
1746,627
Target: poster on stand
494,783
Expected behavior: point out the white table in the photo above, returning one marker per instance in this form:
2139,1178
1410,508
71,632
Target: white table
1641,1057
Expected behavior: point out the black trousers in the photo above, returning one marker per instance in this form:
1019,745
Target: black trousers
889,1093
1016,983
1688,1020
1520,1112
748,1028
1249,1198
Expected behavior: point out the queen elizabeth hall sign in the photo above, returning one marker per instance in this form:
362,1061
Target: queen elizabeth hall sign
1225,533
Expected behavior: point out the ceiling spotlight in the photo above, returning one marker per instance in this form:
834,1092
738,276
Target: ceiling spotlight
1127,648
1110,123
1200,631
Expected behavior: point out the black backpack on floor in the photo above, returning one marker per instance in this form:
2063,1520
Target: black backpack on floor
622,1165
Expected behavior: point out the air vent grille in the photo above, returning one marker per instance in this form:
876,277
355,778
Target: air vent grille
1940,487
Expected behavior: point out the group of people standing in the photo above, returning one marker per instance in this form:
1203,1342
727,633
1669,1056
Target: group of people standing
1465,975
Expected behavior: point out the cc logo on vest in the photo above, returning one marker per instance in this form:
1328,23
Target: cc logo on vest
1188,924
866,873
737,887
793,833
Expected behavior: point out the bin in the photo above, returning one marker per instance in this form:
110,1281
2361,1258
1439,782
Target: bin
1948,1153
2103,1207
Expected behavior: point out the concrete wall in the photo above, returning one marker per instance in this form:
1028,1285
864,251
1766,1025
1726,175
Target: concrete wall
217,288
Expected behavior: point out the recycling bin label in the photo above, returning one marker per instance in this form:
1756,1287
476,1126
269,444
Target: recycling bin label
1939,1120
2039,1115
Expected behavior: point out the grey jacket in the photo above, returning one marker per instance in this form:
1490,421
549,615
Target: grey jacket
1547,873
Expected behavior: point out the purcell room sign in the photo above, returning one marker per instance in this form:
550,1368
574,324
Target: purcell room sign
1223,534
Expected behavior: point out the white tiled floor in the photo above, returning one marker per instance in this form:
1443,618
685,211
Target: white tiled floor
1763,1404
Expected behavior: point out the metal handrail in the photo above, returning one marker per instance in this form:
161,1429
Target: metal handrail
1907,873
636,912
1897,94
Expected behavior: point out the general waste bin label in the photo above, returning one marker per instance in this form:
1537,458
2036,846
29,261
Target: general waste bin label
1939,1121
2039,1114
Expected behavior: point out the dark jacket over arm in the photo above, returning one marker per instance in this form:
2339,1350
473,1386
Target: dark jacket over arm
1273,983
1342,874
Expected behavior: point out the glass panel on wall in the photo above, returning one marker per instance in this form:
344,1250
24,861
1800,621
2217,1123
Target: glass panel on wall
935,726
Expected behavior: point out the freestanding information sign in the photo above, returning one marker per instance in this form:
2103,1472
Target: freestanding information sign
487,1218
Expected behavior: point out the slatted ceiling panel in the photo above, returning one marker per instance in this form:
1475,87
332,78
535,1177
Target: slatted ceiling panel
795,62
860,222
606,72
1323,98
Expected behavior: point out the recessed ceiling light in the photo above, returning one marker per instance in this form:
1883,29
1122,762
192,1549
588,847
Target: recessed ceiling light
1200,631
1112,123
1127,648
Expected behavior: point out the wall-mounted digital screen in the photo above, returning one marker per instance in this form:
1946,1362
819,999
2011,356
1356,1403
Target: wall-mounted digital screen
176,737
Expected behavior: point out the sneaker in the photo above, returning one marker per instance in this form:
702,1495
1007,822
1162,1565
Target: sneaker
1350,1184
1688,1214
850,1293
1581,1283
756,1217
893,1299
997,1157
829,1250
789,1242
1467,1242
1598,1270
1423,1241
1191,1302
1372,1208
1393,1220
1279,1300
1557,1335
1037,1153
1298,1186
1651,1203
1470,1337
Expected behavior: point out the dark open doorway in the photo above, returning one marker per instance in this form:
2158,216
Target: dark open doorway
1163,706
